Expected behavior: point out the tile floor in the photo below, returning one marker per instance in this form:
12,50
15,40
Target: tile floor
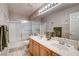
21,51
16,49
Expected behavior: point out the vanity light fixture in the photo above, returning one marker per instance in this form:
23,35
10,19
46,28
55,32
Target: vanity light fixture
48,6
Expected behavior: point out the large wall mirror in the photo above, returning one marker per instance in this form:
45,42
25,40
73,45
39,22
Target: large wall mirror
74,26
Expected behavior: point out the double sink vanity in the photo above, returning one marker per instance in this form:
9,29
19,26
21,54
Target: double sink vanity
40,46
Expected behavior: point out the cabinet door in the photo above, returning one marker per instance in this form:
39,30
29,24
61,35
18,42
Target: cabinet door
35,48
44,51
30,46
54,54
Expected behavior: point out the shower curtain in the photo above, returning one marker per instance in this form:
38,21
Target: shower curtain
3,37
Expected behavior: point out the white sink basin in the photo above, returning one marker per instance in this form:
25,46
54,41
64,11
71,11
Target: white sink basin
60,47
53,41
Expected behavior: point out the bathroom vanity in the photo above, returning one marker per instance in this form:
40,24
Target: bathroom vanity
37,49
42,47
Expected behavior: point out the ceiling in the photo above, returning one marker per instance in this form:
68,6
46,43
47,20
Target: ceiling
25,9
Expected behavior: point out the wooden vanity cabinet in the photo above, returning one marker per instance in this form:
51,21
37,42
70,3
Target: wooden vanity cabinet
30,46
45,51
36,49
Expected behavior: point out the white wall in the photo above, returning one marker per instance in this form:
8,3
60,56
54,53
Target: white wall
61,19
3,14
